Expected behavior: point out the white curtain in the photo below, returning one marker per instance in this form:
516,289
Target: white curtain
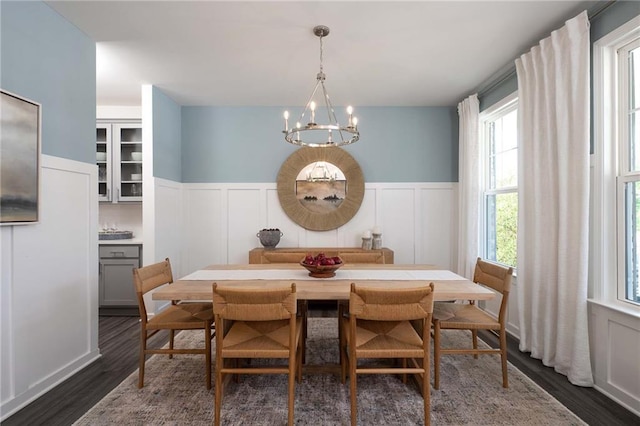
553,212
468,185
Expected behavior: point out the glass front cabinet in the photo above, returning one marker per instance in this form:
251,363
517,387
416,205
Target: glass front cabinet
119,160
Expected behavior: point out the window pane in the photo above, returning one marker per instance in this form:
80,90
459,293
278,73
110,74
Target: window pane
634,140
632,237
634,77
502,227
503,153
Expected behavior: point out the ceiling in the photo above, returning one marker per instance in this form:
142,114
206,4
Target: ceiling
261,53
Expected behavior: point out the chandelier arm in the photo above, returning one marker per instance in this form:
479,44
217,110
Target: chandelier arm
331,114
306,107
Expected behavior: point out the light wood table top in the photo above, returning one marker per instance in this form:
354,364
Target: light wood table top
319,288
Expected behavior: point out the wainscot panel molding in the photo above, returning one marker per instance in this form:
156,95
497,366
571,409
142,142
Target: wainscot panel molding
615,344
164,230
221,222
47,269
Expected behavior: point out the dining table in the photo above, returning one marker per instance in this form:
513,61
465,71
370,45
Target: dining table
198,284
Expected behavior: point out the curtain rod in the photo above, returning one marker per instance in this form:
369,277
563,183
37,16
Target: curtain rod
593,13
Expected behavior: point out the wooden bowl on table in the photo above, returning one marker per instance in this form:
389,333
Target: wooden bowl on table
322,271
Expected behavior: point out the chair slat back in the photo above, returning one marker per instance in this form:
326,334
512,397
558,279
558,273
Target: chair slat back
397,304
149,277
152,276
243,304
495,276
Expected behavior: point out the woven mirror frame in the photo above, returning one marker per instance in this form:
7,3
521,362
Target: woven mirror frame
306,218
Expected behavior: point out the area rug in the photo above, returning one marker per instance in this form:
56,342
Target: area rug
471,393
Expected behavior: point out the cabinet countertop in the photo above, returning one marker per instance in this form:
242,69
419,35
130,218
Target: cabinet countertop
127,242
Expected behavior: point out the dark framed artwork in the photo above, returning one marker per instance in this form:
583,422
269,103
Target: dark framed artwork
20,133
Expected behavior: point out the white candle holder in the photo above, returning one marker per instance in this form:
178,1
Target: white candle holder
366,243
377,241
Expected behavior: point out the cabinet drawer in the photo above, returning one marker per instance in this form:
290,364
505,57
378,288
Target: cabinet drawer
113,251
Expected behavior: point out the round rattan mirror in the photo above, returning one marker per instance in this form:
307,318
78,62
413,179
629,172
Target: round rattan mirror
320,188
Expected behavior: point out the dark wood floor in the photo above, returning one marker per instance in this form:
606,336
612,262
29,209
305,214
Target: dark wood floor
119,347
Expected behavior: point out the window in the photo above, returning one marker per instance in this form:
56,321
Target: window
499,127
616,168
628,203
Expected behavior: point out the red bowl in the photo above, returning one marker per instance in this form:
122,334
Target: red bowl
322,271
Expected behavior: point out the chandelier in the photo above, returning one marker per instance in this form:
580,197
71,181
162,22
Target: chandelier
316,135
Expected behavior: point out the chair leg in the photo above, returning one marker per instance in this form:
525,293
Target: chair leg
143,355
292,387
404,375
426,389
436,355
503,356
474,337
218,391
207,355
299,368
352,384
172,333
342,342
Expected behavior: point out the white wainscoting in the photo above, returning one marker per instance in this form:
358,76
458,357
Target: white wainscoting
615,347
217,223
49,286
221,222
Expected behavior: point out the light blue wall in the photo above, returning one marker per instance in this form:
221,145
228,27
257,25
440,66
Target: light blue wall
167,124
245,144
46,59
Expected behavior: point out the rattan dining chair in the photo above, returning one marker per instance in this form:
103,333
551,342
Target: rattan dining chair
262,323
380,325
177,316
455,316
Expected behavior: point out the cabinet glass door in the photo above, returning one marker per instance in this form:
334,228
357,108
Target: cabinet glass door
128,140
103,160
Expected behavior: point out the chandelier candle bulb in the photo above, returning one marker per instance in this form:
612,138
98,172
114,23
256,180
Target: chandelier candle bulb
350,112
286,121
312,105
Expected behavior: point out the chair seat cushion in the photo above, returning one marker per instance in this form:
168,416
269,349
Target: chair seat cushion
385,339
455,315
187,316
259,339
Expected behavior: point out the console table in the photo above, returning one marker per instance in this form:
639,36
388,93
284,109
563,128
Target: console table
261,255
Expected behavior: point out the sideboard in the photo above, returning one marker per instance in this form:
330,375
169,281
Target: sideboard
296,254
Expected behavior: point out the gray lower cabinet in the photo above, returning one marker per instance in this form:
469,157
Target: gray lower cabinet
116,275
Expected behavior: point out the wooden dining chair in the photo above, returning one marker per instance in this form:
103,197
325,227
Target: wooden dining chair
177,316
257,323
380,326
455,316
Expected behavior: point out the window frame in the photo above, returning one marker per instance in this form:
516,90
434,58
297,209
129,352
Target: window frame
496,111
608,266
625,171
